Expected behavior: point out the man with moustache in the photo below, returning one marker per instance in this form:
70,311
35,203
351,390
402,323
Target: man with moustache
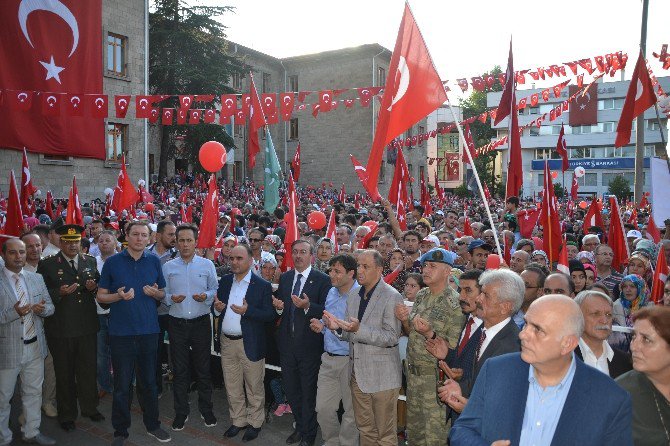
435,312
33,251
410,243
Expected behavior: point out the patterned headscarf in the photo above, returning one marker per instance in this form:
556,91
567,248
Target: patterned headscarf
539,252
588,255
641,294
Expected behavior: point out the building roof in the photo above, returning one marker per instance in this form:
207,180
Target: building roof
373,48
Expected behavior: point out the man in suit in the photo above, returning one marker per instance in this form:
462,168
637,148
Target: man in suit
372,330
72,280
302,297
501,296
593,347
247,301
24,302
544,395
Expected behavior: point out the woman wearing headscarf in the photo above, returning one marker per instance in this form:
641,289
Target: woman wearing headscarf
539,256
396,259
586,257
634,296
591,274
578,274
324,252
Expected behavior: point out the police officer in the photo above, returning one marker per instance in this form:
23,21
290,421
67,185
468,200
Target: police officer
436,312
71,278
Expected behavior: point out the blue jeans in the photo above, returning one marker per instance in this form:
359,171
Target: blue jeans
104,356
129,352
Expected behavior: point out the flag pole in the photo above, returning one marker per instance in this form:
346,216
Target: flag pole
474,171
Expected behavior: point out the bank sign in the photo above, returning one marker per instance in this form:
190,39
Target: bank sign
591,163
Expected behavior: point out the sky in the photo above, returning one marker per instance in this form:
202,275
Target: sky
465,38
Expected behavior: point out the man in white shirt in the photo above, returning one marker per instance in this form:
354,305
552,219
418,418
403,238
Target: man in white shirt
593,347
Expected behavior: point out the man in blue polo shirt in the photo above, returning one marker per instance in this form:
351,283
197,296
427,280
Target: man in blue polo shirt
132,284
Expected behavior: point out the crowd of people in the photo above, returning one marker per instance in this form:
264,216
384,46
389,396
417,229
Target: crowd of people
484,351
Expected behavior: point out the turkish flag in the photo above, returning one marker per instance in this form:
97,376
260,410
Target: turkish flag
51,46
640,97
97,105
522,103
515,166
154,115
660,277
19,99
575,187
652,231
413,90
469,145
210,215
398,189
256,122
125,194
143,106
402,216
562,149
73,215
467,229
194,116
27,188
364,96
182,116
295,165
527,219
246,103
616,236
210,116
14,222
121,103
50,205
185,101
51,103
286,105
74,105
291,225
438,190
505,105
228,105
330,231
325,100
549,219
584,109
269,104
593,217
534,99
563,263
168,115
342,197
359,169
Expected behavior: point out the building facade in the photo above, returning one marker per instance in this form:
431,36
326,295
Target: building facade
589,146
123,49
445,150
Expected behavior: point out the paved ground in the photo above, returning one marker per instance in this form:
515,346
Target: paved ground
88,433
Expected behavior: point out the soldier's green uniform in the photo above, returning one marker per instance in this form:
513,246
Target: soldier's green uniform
71,331
426,417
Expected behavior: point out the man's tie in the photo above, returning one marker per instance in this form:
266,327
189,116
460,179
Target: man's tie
295,292
72,263
28,322
481,342
466,336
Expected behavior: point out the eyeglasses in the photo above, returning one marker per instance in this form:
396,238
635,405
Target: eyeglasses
255,240
529,287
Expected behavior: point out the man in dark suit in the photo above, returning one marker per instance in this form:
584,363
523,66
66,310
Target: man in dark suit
501,296
247,301
593,347
302,296
544,395
72,280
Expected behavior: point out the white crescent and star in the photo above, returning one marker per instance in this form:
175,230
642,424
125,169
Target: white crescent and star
50,102
75,100
62,11
99,104
22,96
27,172
403,82
639,89
123,103
144,103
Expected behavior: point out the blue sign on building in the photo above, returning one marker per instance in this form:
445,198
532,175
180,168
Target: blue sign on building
590,163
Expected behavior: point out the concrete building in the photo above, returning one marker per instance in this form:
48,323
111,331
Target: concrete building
327,140
123,43
446,149
590,146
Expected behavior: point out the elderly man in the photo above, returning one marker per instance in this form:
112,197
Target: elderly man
559,283
589,242
519,261
477,228
606,275
436,312
386,244
462,244
593,347
343,235
543,395
533,279
501,296
372,331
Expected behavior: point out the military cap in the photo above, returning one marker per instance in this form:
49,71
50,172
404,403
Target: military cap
70,233
439,255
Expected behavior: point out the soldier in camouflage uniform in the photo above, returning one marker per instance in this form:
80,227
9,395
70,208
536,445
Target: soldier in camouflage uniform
436,312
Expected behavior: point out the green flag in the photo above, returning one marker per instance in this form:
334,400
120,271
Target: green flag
272,175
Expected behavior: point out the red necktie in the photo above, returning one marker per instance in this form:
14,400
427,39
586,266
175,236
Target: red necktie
466,336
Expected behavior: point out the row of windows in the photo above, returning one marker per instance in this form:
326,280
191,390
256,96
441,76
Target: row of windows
595,152
591,179
601,127
603,104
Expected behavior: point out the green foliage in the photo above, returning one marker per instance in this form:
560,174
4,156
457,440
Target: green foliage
620,187
475,105
187,55
560,191
462,191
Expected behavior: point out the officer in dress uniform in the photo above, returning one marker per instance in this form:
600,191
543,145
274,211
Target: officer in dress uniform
72,279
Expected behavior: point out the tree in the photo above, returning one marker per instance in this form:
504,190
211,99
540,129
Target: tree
188,56
620,187
475,105
559,190
462,191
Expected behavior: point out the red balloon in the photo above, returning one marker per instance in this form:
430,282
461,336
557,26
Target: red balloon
316,220
493,261
149,207
554,175
582,204
212,156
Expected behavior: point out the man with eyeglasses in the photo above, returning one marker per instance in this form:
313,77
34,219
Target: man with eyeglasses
606,275
593,347
559,283
462,252
533,280
302,296
590,242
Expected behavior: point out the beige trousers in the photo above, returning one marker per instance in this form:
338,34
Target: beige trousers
240,373
333,386
376,415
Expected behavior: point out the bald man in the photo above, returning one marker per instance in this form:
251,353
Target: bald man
544,395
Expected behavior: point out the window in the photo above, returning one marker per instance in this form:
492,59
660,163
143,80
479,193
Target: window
117,140
409,170
581,152
589,179
116,54
546,108
607,127
421,131
533,110
610,104
239,130
534,131
266,82
382,173
293,83
410,132
237,81
293,129
628,176
540,179
422,174
381,76
652,124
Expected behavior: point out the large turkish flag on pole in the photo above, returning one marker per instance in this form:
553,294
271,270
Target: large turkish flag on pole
413,90
52,47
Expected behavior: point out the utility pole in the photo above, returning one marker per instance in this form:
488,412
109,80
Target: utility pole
639,133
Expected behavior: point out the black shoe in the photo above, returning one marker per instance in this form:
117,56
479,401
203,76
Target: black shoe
295,437
210,419
178,422
67,426
233,431
97,417
251,433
